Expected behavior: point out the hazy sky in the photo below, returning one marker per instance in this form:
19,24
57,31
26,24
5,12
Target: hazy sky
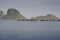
31,8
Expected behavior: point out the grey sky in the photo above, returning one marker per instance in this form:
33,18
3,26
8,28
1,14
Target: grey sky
31,8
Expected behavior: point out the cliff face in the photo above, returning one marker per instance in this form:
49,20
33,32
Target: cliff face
13,14
1,14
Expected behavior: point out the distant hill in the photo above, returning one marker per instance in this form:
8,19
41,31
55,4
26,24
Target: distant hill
13,14
51,16
1,14
47,17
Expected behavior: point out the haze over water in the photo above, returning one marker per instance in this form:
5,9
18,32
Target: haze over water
29,30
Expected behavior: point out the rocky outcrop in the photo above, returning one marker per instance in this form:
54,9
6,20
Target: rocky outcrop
13,14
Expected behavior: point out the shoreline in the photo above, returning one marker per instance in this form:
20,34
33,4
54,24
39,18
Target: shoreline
38,20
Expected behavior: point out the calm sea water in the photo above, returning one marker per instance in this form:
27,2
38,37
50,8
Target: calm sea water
29,30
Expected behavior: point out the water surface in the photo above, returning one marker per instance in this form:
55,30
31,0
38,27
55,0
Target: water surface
29,30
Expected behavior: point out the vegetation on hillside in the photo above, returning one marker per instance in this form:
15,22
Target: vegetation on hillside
13,14
1,14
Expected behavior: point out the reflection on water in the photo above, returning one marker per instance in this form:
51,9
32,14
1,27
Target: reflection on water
29,30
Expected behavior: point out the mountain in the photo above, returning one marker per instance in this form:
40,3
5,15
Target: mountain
13,14
1,14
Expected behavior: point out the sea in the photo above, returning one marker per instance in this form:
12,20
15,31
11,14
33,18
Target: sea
29,30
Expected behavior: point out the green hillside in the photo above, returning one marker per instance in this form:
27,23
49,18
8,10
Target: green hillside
13,14
1,14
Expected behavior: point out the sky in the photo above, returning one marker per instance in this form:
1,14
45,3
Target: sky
30,8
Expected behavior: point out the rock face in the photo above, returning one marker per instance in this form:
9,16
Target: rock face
1,14
13,14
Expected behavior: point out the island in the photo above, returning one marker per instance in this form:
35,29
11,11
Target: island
48,17
14,14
